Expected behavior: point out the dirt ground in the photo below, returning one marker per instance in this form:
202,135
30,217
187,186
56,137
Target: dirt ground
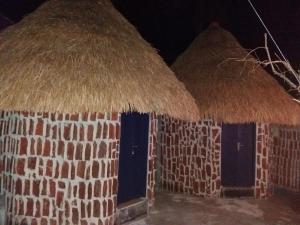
177,209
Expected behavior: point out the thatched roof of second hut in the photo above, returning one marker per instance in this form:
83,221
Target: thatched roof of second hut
229,90
83,55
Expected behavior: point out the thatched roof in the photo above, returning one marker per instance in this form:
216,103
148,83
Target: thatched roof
83,55
231,91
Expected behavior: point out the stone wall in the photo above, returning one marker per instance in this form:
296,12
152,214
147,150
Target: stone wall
190,157
152,158
58,168
263,184
285,171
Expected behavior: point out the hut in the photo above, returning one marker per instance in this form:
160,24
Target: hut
230,150
69,72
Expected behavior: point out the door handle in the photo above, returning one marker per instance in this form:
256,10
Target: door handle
134,148
238,146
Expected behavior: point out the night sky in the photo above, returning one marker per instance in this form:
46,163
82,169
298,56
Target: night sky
171,25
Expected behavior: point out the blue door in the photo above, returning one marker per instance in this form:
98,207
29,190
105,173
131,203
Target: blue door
133,156
238,155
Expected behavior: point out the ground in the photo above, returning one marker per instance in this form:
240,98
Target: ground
176,209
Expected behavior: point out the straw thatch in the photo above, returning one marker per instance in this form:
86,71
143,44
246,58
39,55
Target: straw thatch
82,55
232,91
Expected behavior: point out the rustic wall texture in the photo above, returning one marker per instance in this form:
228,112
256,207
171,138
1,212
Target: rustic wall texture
58,168
152,143
63,169
263,184
190,157
285,172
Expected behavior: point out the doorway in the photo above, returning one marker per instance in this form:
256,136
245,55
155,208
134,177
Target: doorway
238,156
133,156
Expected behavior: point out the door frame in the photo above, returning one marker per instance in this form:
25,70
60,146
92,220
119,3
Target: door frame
148,156
254,158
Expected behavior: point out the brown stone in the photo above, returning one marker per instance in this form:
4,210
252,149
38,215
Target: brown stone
59,198
75,215
102,171
105,129
82,190
23,146
108,169
99,128
264,151
105,188
67,132
20,167
73,171
27,187
81,169
61,147
93,116
97,188
67,209
74,117
87,151
18,188
205,141
85,116
89,209
74,132
39,146
118,131
90,134
38,209
88,170
104,207
95,169
21,207
115,186
110,207
47,148
81,133
102,149
96,211
29,207
39,127
53,222
112,134
82,209
70,151
31,163
90,190
49,168
79,148
52,188
36,188
264,164
114,116
65,170
100,116
44,187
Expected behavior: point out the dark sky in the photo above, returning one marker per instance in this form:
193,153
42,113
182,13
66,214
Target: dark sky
171,25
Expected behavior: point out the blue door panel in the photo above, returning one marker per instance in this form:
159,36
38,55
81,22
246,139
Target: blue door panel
133,156
238,155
